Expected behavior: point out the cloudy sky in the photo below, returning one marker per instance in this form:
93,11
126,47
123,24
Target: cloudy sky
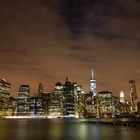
49,40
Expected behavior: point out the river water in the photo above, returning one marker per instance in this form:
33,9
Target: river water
63,129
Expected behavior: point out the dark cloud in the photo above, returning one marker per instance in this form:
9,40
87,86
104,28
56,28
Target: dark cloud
94,16
107,35
12,50
78,48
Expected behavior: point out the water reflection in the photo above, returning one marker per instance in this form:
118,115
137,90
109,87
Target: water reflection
61,129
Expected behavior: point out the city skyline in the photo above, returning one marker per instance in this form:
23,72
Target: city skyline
46,41
67,100
92,89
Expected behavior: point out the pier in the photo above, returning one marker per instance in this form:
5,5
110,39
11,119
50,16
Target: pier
124,122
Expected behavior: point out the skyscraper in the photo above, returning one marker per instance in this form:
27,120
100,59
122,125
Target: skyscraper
40,89
133,96
106,104
23,100
68,99
5,89
92,84
122,96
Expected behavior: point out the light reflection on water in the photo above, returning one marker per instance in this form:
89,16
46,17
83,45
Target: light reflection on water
62,129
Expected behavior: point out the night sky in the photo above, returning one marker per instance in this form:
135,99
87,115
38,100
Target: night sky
49,40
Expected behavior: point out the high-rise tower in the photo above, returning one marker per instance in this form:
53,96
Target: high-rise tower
5,89
23,100
133,96
92,84
40,89
122,96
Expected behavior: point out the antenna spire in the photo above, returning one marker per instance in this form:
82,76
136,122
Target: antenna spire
92,75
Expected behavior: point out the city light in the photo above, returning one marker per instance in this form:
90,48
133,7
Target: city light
25,117
67,101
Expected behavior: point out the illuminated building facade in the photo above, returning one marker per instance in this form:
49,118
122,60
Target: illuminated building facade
122,96
117,106
47,98
92,84
79,100
54,108
37,106
133,96
126,107
5,89
68,99
58,88
122,103
90,99
23,100
89,106
106,104
12,106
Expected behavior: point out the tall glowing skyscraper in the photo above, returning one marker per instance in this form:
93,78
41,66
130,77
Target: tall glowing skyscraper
133,96
122,96
92,84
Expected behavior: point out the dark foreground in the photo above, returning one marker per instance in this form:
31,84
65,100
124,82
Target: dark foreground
64,129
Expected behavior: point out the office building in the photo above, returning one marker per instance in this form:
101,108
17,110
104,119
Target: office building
133,96
92,84
106,104
122,100
5,89
54,107
68,99
37,106
23,100
89,109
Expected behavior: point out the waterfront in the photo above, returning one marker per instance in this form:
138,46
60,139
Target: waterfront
63,129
